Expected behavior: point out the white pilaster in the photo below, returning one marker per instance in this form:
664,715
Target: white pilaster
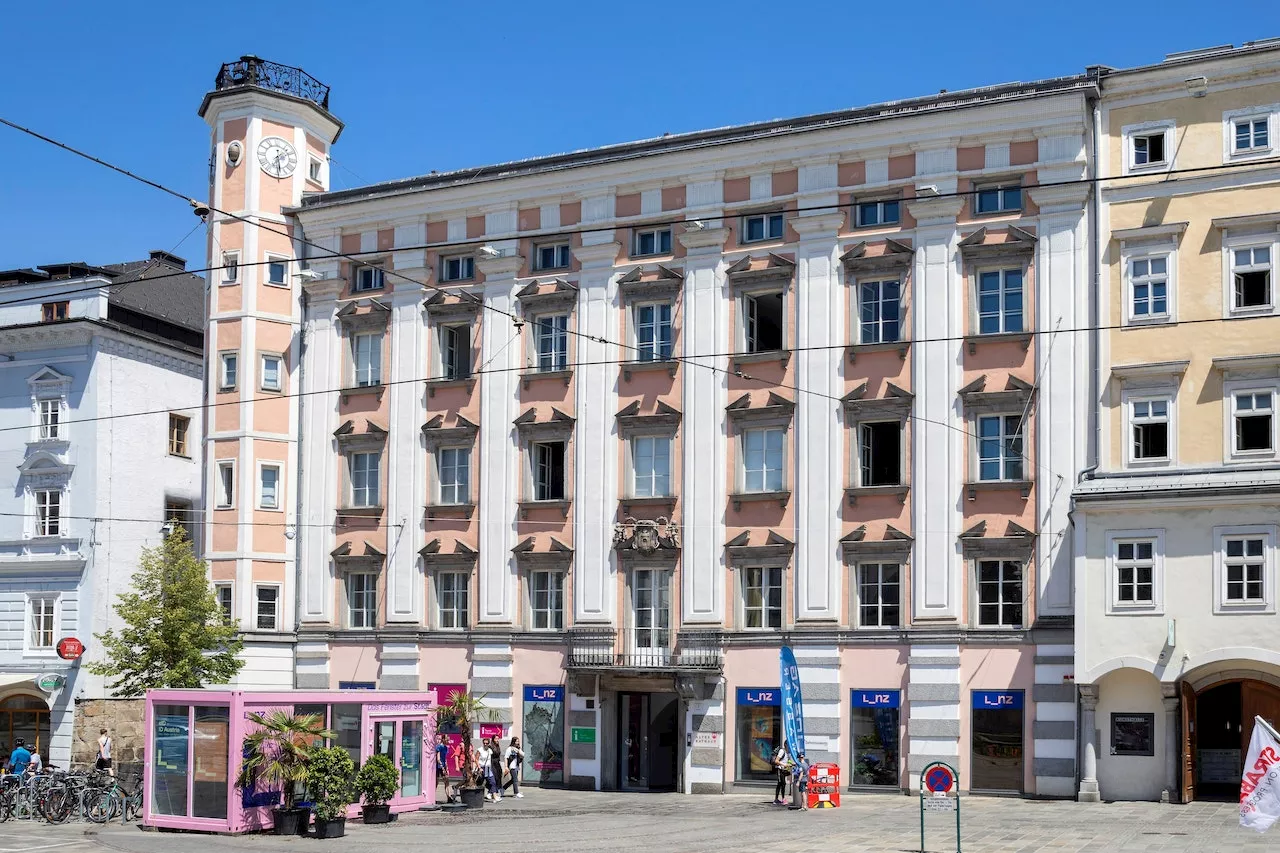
595,439
937,451
405,455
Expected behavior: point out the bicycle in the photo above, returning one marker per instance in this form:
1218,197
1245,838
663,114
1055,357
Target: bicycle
116,801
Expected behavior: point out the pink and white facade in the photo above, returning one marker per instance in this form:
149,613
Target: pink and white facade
626,421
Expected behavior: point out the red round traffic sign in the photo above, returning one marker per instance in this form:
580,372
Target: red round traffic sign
939,779
69,648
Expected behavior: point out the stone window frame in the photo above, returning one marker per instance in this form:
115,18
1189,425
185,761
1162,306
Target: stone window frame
1115,538
1221,533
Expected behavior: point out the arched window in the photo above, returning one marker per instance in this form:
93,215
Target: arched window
27,717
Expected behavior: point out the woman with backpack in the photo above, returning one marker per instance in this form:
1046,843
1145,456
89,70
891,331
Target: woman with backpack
514,759
781,762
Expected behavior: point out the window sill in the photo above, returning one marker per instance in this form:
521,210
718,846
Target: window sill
227,283
363,391
1153,320
1252,311
992,214
667,364
1249,608
884,346
1001,628
1252,457
1135,610
781,356
50,442
468,382
657,500
898,490
973,341
1022,486
527,506
457,280
280,284
221,508
466,510
739,498
531,375
1145,464
226,389
270,390
361,511
181,456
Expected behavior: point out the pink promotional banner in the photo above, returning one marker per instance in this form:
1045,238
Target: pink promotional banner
488,730
449,727
1260,781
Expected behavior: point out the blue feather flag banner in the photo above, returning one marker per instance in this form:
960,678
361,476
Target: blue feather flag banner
792,703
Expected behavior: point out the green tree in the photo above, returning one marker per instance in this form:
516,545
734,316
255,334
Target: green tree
175,633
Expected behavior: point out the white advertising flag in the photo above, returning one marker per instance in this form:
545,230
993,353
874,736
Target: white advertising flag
1260,782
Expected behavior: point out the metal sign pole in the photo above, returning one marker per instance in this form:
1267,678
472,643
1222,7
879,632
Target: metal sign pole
941,780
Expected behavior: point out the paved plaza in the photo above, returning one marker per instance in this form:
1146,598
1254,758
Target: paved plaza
568,821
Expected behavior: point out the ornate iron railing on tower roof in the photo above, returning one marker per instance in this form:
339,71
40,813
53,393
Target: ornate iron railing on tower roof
252,71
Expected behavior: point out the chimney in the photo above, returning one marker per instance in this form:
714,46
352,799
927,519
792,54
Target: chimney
169,259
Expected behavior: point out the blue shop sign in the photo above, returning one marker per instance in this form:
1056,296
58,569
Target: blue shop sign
877,698
760,696
997,700
541,693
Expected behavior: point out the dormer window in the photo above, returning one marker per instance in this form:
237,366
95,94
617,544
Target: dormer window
53,311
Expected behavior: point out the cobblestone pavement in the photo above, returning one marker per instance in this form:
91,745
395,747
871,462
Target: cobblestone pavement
568,821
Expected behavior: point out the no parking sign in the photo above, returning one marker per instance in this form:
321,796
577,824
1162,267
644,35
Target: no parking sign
939,792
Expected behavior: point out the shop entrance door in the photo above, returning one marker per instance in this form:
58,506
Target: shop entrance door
998,736
402,740
1217,749
648,741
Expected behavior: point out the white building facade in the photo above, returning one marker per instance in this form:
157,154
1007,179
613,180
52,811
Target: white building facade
82,349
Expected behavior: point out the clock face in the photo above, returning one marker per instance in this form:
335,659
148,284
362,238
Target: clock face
277,157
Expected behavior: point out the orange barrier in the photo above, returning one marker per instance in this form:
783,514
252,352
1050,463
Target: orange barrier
824,787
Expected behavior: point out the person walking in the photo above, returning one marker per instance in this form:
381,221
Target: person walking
514,759
442,765
781,760
104,753
20,757
484,765
495,767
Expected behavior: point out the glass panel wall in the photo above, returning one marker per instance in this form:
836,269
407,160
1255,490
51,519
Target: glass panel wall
211,745
172,739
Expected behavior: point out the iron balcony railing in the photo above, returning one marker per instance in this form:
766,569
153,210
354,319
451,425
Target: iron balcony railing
252,71
656,659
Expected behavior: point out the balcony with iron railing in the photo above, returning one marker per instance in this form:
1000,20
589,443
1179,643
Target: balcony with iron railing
600,650
253,71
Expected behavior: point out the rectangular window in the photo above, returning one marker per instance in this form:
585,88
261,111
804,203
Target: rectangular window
551,256
653,332
178,512
179,426
366,351
1253,421
651,466
874,724
229,373
883,212
1000,447
277,270
52,311
230,267
226,600
654,241
548,470
266,607
998,199
226,496
1135,572
880,451
758,227
880,305
455,475
370,278
48,512
1148,148
458,268
1243,563
314,168
650,614
362,600
879,595
551,340
999,301
762,597
50,419
1149,420
455,351
269,487
1251,274
43,623
546,601
271,365
1133,734
451,600
762,460
1250,134
1149,287
366,469
759,729
1000,593
762,321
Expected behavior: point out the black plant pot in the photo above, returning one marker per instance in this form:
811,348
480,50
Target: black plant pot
472,798
290,821
377,814
331,828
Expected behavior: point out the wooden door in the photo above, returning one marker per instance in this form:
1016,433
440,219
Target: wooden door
1188,742
1257,699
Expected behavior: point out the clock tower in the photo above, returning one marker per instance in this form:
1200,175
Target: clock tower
271,134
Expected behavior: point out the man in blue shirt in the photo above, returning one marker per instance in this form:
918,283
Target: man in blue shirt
20,757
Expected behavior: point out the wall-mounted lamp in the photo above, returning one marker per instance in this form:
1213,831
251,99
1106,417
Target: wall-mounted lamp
1198,86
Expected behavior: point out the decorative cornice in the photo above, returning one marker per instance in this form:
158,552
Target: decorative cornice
704,238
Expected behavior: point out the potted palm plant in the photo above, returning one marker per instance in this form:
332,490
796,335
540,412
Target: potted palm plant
332,789
277,754
377,782
466,710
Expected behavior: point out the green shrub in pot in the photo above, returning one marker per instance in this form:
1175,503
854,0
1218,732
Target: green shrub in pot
377,782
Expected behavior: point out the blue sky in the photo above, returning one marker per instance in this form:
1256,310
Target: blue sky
429,85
